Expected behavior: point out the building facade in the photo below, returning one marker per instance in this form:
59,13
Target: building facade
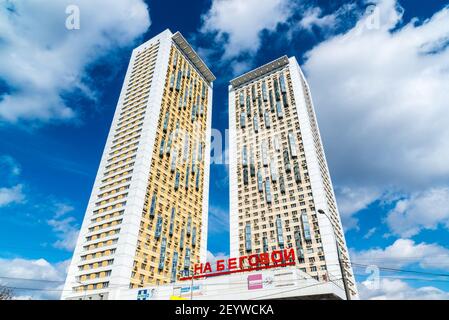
146,220
281,194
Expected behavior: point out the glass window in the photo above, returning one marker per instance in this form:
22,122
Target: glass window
243,120
248,237
172,222
306,226
158,231
280,233
174,267
153,205
177,180
162,254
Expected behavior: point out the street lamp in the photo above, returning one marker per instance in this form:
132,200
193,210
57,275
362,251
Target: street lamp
340,262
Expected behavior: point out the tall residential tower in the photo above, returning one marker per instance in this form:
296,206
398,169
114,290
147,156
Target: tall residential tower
281,194
146,220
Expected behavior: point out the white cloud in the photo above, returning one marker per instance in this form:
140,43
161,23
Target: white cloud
381,102
352,200
314,17
45,60
48,279
370,233
11,195
218,220
405,252
9,166
422,210
65,228
238,24
396,289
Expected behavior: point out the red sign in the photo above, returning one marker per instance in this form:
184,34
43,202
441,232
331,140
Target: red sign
257,261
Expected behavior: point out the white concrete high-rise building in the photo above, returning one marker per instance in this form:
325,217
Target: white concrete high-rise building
281,194
146,220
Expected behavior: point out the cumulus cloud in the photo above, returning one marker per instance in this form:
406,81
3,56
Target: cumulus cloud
64,227
33,279
396,289
422,210
237,24
381,101
218,220
405,252
45,61
313,17
9,166
11,195
381,98
351,201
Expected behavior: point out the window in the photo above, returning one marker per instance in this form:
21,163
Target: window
162,255
276,90
245,176
248,237
189,226
274,171
158,231
244,156
248,106
241,99
172,222
306,227
279,111
181,242
299,250
203,90
187,177
292,144
265,244
178,81
297,173
286,162
194,237
264,91
174,267
172,81
161,149
268,190
175,59
271,101
197,182
282,184
164,128
267,120
153,206
168,146
177,181
173,160
256,124
187,259
243,120
280,233
282,83
259,181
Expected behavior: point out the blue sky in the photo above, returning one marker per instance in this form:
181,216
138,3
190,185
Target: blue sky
378,76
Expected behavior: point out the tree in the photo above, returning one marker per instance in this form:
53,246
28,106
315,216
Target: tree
6,293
